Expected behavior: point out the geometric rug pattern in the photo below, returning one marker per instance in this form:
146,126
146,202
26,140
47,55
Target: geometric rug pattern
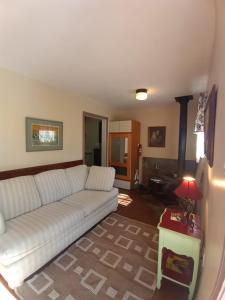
117,259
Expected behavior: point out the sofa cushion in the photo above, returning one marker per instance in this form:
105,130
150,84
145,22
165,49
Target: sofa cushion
52,185
25,234
90,201
100,178
77,177
2,224
17,196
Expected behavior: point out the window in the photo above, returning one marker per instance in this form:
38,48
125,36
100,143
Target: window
199,145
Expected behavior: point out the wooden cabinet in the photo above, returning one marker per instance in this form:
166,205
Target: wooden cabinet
121,126
124,141
114,126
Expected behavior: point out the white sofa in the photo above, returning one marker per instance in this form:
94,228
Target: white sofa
41,215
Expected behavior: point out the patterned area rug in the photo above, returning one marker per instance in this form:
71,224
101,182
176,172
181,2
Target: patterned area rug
115,260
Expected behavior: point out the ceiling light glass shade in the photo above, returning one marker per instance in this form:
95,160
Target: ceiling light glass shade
141,94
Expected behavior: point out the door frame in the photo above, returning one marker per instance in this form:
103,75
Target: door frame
104,150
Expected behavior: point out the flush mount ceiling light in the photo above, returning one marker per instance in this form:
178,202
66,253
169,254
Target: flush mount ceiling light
141,94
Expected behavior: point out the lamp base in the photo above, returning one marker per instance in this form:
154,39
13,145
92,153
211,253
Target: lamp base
187,220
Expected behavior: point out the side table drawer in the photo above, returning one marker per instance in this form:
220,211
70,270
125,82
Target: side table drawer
178,244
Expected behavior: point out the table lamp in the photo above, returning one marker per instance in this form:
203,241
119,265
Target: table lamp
188,191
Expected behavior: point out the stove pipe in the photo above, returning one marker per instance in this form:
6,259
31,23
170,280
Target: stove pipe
183,101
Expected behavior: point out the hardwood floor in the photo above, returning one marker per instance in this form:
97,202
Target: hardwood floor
146,208
140,206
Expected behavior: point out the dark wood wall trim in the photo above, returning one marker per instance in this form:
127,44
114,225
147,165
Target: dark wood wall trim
38,169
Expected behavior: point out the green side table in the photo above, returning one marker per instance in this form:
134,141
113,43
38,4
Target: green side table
184,240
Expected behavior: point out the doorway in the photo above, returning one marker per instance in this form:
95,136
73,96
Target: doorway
94,140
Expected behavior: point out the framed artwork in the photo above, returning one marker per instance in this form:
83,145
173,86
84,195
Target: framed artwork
157,136
209,125
43,135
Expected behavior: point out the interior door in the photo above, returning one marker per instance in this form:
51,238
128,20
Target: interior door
94,140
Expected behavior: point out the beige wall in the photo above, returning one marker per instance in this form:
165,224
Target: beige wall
21,97
163,115
214,202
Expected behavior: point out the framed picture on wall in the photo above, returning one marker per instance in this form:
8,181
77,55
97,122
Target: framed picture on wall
209,125
157,136
43,135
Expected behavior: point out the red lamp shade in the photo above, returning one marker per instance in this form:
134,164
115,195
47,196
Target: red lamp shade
188,189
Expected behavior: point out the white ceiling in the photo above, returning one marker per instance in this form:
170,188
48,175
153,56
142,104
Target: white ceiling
106,49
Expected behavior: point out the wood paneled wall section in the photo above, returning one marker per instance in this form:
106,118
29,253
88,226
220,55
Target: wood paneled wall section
38,169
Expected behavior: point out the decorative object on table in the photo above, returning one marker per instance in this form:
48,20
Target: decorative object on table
157,136
209,125
176,216
43,135
189,193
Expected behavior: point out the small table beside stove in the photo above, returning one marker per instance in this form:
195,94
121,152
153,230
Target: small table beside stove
183,240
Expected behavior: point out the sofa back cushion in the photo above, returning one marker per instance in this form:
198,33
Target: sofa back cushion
18,195
77,177
52,185
100,178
